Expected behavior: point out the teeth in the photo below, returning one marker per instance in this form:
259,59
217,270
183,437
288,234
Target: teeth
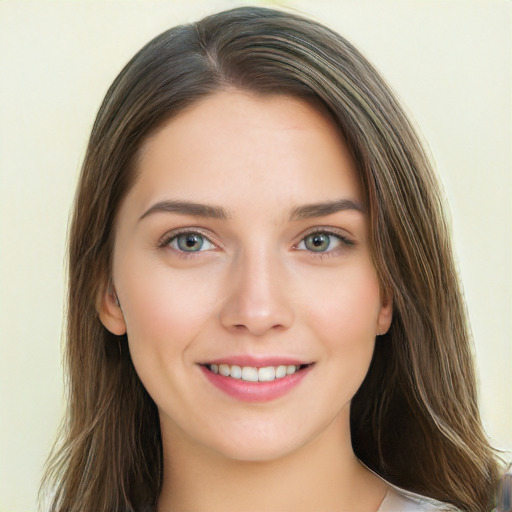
266,374
224,370
280,372
253,374
236,372
250,374
291,369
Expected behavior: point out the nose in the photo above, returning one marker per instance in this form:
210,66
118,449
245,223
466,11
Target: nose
256,302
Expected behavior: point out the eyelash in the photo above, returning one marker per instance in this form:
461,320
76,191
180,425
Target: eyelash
344,241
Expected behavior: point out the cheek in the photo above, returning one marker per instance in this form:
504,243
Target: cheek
347,307
164,309
345,323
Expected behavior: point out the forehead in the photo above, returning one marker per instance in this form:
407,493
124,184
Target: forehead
233,147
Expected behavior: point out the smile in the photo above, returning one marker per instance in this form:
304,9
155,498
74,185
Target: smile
255,383
252,373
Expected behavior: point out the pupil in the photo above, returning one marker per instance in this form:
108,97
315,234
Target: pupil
191,241
318,240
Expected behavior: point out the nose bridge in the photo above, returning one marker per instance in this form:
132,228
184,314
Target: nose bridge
257,300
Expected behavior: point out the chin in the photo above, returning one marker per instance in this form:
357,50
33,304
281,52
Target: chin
257,452
265,443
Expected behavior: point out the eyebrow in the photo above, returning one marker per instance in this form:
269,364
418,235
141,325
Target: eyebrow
187,208
309,211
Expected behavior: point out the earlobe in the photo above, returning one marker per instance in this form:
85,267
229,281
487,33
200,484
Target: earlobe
109,311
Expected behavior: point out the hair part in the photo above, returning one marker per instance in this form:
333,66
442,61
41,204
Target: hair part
419,396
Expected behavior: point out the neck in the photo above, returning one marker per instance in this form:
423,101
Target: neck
322,475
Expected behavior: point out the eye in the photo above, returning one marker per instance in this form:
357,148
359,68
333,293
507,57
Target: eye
321,241
190,242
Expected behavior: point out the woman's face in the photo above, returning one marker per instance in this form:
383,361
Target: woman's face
244,276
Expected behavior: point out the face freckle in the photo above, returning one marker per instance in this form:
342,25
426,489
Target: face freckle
213,266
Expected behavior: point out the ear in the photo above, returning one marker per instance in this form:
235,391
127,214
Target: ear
385,313
109,310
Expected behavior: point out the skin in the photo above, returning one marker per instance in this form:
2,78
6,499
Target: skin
255,288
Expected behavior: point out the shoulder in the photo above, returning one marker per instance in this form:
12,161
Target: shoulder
398,500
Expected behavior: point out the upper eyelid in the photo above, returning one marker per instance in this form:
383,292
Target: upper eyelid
329,230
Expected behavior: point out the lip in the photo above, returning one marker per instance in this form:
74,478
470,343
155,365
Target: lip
256,391
257,361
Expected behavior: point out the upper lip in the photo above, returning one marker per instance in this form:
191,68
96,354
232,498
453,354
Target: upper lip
257,361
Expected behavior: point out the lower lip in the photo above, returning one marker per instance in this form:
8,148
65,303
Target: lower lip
256,391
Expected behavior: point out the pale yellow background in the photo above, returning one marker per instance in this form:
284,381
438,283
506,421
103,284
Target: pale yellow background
450,61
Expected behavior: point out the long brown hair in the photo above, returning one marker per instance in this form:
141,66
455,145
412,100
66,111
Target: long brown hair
415,419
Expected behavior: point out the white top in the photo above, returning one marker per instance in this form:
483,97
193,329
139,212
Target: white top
398,500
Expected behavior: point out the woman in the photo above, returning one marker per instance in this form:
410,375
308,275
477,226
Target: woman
263,310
